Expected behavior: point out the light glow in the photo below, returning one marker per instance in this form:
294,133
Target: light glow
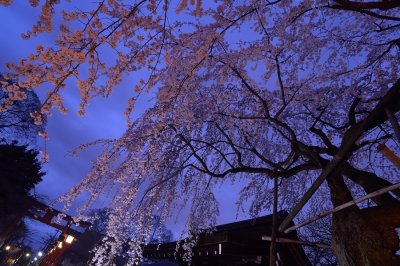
59,245
69,239
8,247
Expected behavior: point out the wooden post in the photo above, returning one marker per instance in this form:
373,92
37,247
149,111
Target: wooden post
272,249
389,154
344,206
295,241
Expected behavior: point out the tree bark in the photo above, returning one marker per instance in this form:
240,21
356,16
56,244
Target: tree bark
366,236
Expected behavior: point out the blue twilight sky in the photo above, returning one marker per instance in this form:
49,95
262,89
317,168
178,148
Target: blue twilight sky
104,118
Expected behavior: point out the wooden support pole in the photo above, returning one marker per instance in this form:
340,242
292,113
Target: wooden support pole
272,248
394,123
294,241
344,206
389,154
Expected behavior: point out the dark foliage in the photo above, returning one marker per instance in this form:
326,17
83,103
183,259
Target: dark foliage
20,171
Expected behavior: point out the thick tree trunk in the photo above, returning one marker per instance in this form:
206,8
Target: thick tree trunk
363,237
358,240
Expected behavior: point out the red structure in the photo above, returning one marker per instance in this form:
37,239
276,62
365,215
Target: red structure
70,230
54,254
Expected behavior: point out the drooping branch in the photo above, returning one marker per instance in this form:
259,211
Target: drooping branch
233,146
281,87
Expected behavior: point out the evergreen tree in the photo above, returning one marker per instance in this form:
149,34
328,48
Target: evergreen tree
20,171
